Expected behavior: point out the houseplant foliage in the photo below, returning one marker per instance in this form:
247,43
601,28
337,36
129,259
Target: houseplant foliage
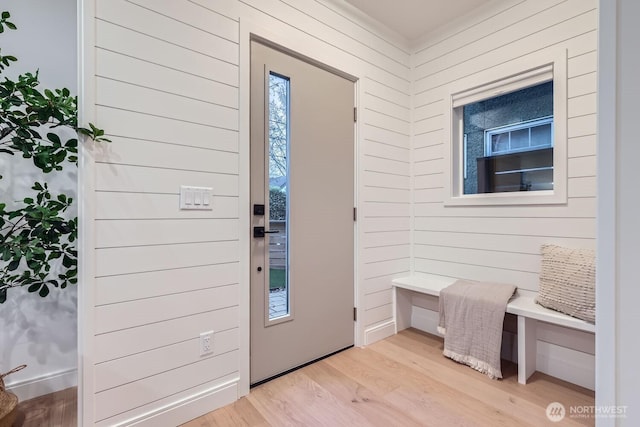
34,233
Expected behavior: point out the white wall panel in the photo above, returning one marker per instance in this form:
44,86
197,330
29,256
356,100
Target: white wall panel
151,284
142,73
132,395
132,179
582,105
502,243
111,205
148,21
125,342
150,128
142,365
381,164
170,156
582,85
385,195
130,97
131,314
389,209
582,146
122,233
138,259
372,239
386,180
111,36
168,91
387,151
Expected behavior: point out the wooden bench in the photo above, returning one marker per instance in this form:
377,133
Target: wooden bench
522,305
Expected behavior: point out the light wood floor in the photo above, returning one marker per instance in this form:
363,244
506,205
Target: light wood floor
401,381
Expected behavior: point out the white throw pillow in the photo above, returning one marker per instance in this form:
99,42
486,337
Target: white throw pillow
568,281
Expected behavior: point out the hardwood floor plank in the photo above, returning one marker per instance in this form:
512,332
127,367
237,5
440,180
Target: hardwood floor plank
372,407
241,413
313,403
51,410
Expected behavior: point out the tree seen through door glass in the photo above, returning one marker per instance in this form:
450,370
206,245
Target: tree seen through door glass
279,305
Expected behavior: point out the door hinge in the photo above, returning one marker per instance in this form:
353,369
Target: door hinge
355,214
355,314
355,114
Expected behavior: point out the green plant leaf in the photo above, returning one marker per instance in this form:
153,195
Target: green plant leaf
13,265
44,291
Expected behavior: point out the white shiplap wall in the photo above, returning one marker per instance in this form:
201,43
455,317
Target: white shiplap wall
168,87
503,243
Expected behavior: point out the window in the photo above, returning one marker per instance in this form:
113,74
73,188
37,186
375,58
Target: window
532,135
508,142
508,139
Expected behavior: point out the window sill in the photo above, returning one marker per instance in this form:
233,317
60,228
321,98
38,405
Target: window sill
522,198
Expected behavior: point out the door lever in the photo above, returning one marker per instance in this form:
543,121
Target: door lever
260,232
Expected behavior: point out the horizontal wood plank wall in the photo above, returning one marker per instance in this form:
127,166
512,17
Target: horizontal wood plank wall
503,243
167,93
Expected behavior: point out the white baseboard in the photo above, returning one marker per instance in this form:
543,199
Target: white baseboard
45,384
378,332
188,408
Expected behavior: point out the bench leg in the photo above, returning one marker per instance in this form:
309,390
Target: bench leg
402,308
527,351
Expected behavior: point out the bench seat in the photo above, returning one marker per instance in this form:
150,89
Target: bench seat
522,305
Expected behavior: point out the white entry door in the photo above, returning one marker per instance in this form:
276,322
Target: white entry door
302,196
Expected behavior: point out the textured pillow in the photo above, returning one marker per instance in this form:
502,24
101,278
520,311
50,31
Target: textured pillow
568,281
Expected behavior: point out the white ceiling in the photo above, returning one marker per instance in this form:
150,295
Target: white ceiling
414,18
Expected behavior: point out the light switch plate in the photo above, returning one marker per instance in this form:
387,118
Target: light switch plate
196,198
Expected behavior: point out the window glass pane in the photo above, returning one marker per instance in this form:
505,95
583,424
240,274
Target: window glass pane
541,136
502,134
520,139
279,305
500,142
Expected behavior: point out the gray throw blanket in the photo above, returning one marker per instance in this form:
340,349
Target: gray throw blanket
471,319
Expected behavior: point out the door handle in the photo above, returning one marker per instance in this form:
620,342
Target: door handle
260,232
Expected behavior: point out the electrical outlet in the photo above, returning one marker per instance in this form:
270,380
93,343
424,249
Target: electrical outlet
206,343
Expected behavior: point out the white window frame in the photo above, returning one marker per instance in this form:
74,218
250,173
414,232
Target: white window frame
527,71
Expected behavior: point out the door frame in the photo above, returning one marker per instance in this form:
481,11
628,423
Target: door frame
298,48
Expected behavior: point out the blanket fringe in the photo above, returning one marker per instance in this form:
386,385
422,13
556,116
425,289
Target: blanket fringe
475,363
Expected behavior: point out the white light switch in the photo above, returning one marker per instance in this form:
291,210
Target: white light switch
188,197
195,198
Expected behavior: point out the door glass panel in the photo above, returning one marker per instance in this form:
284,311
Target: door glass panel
279,292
